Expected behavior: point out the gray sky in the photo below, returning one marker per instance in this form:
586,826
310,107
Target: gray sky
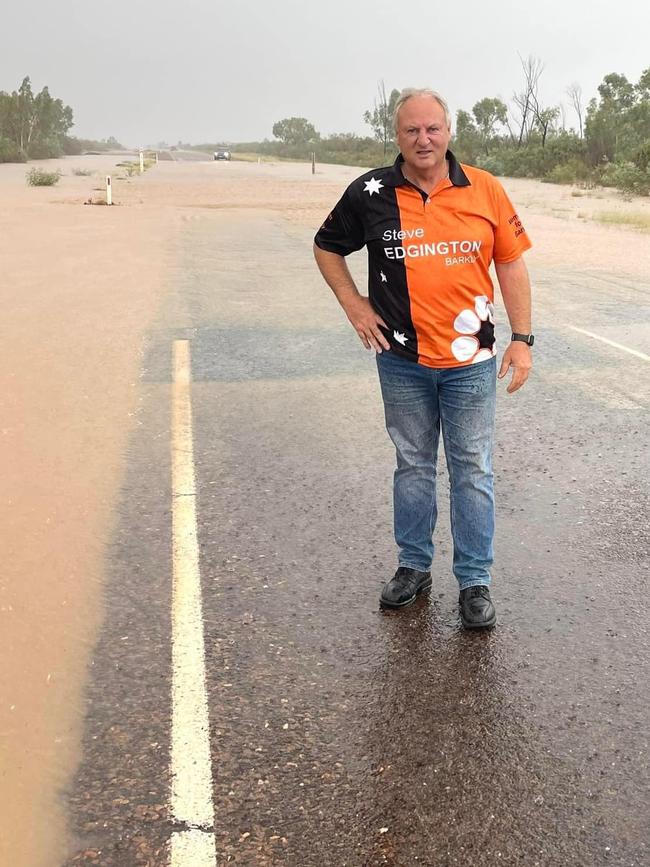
209,70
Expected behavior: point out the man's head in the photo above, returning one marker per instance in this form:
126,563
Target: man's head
422,125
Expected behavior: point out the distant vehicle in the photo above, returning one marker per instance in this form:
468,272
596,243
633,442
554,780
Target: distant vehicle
222,154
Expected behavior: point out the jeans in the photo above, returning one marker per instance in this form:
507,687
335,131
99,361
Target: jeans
418,402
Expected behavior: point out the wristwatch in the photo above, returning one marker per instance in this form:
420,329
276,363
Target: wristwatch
525,338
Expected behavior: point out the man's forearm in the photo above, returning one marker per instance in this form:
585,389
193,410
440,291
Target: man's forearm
515,291
337,276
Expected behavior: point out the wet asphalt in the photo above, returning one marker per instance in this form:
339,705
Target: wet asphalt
340,734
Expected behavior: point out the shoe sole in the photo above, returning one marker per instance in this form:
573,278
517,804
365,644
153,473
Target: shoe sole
424,587
489,624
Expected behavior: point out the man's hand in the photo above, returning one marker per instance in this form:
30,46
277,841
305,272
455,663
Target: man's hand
366,323
518,356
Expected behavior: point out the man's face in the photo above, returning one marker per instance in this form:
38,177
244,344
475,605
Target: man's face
422,133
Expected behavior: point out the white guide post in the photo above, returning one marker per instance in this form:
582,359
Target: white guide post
141,162
109,191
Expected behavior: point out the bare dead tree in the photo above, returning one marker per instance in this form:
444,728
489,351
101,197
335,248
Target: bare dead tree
533,112
527,100
574,92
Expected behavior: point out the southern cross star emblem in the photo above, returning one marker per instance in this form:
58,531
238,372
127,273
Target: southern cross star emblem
400,338
384,278
372,186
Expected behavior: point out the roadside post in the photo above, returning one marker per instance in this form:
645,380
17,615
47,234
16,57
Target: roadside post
109,191
313,162
141,162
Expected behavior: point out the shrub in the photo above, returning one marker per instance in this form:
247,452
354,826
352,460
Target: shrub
491,163
82,173
41,178
570,172
43,150
627,177
641,158
10,152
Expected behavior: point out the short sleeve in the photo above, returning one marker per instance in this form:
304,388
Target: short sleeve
342,232
510,236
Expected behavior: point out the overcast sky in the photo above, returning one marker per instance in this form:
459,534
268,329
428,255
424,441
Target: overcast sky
208,70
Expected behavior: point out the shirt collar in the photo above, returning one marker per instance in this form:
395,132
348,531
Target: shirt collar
395,176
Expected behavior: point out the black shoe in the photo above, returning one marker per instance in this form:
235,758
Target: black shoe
476,608
403,587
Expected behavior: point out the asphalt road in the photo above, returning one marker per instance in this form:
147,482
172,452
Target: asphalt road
341,735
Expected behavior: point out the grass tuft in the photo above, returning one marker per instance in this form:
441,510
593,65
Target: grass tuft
634,219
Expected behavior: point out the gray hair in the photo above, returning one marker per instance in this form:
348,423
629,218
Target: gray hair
410,92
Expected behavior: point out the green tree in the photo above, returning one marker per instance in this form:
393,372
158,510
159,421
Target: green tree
295,131
488,113
36,125
467,139
618,122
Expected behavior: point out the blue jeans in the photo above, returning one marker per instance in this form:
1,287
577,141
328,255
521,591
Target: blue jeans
418,402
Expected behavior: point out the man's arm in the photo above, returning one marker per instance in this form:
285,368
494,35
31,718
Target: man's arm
515,291
357,307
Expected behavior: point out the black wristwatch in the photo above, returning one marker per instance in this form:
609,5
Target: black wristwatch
525,338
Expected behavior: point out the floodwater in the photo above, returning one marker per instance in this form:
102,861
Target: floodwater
339,735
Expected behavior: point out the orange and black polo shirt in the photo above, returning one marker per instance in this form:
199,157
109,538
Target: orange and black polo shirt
429,257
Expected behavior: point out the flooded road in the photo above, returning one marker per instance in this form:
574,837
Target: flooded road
338,734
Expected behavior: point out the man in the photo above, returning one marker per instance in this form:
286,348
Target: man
432,227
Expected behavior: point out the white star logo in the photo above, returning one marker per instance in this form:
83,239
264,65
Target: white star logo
372,186
400,338
384,278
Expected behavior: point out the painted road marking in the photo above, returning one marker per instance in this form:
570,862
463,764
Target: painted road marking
611,343
191,767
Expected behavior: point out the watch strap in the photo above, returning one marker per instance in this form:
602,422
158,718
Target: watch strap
524,338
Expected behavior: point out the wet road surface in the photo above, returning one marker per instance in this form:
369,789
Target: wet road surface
342,735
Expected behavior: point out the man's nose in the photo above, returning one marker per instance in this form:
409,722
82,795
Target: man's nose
422,139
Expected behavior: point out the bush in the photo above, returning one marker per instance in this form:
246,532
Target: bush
492,163
11,153
41,178
627,177
641,158
571,172
82,173
43,150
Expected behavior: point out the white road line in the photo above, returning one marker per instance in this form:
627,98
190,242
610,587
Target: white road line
611,343
191,767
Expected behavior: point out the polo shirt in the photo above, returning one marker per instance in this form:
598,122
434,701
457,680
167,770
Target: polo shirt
429,257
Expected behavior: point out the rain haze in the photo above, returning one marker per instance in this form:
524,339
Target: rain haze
204,659
146,72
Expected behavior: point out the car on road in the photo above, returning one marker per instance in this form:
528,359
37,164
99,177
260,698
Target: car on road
222,154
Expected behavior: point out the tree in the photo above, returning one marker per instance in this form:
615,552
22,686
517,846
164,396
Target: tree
295,131
617,92
574,92
487,113
35,124
381,117
619,121
533,114
467,139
